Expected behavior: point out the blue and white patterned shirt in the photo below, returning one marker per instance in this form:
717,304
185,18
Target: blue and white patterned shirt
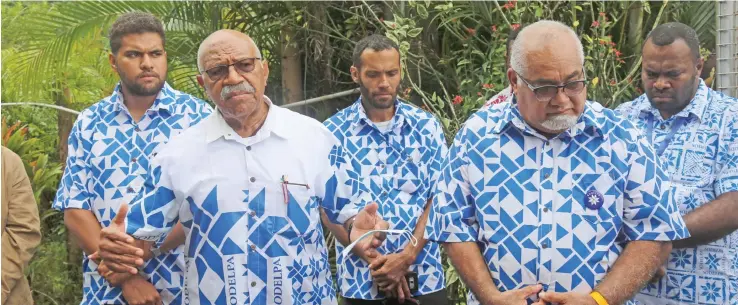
251,237
400,168
702,162
108,161
549,211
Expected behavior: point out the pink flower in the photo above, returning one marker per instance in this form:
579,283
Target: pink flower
458,100
515,26
493,28
471,31
602,14
487,86
595,24
479,93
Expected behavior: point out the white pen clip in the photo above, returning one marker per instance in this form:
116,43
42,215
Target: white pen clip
348,248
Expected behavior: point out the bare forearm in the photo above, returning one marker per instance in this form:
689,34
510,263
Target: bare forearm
84,227
638,264
470,266
175,238
341,235
711,221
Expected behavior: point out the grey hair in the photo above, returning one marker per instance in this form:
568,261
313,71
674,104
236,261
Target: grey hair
201,50
541,34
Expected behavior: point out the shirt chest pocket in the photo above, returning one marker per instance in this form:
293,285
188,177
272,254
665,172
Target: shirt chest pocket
693,165
410,170
291,210
596,205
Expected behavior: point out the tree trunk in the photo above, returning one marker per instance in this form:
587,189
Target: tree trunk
292,90
635,27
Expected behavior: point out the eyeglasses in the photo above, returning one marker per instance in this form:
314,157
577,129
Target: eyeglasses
547,92
243,66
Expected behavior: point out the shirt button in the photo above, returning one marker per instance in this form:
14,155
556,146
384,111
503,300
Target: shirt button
137,129
253,179
545,210
382,165
253,284
253,247
409,159
544,245
134,159
130,189
546,175
253,214
663,127
248,148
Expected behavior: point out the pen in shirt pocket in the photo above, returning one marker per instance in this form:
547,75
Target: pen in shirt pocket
285,191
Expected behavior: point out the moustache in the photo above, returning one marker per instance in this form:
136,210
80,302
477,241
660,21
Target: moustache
240,87
148,74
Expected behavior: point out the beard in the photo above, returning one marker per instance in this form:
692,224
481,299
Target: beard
138,89
369,99
560,122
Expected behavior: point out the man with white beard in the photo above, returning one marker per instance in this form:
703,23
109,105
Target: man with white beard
563,201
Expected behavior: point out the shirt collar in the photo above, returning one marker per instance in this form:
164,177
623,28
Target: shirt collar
357,114
588,121
697,106
165,99
273,124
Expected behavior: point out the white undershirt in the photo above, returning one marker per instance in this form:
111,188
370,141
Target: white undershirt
383,126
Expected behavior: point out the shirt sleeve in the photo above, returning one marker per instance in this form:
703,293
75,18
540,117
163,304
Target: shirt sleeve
72,192
650,209
343,195
155,210
440,149
452,215
726,163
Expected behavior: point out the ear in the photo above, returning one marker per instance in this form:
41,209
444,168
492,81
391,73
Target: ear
512,77
200,80
355,74
111,59
699,66
265,67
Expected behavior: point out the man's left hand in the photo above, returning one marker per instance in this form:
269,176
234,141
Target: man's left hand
389,270
571,298
367,220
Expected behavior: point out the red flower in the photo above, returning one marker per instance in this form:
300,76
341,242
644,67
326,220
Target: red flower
617,53
515,26
602,14
612,43
487,86
595,24
479,93
493,28
471,31
458,100
612,82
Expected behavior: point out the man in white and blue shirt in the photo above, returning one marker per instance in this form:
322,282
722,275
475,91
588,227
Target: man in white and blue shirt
110,147
247,184
694,131
399,150
543,193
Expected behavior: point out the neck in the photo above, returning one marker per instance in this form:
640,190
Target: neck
137,105
248,126
377,114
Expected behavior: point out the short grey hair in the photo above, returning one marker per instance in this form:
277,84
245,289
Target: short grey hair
541,34
201,50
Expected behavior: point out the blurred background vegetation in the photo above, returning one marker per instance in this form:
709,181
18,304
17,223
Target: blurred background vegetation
453,61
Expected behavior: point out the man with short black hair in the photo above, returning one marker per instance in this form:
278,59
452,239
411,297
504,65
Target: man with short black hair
110,146
695,133
399,149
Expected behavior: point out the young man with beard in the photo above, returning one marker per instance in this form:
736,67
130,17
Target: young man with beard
399,149
552,198
695,133
110,146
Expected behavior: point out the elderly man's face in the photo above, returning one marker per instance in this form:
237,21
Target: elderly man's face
551,113
238,89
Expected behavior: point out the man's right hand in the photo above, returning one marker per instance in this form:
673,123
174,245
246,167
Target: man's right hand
516,296
118,249
659,274
138,291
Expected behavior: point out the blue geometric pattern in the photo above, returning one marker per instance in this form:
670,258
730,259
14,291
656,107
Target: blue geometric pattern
523,197
702,163
251,237
108,162
400,168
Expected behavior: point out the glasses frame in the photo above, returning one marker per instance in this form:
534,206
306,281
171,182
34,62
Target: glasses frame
562,87
228,68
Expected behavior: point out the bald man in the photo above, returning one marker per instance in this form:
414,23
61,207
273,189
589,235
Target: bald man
247,185
538,191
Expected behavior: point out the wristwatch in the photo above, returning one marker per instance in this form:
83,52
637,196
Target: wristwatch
155,251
